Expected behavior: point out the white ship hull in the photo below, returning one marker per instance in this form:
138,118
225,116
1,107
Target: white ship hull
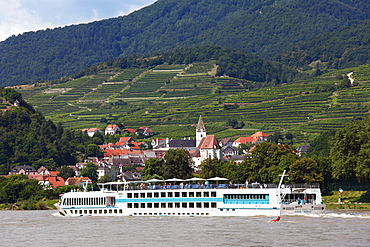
192,202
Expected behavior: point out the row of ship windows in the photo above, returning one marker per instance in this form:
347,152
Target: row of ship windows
119,211
173,205
84,201
97,211
171,194
245,196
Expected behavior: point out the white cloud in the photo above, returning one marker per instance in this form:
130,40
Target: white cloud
18,16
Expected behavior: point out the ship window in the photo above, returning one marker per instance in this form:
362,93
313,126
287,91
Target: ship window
129,205
170,205
136,205
191,204
184,194
90,211
184,205
198,204
85,211
110,211
80,211
206,205
129,195
149,205
177,194
213,205
120,211
95,211
115,211
177,205
100,211
136,195
199,194
163,194
142,205
142,195
156,205
191,194
149,195
169,194
163,205
206,194
156,194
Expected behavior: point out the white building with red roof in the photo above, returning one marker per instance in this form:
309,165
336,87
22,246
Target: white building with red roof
256,138
112,129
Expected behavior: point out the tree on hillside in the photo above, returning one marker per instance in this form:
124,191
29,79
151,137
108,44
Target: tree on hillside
153,166
350,152
267,161
305,170
65,172
90,171
178,163
209,168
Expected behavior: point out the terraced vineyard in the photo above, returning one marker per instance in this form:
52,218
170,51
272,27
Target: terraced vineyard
170,98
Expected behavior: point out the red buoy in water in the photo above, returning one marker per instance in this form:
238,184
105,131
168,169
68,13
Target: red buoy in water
276,220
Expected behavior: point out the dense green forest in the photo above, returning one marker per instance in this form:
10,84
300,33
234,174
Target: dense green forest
262,27
343,48
27,138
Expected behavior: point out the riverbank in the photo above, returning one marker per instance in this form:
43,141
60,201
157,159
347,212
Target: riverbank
347,200
30,205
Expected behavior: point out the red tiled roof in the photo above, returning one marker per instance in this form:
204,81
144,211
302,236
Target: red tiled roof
53,173
145,129
129,130
111,127
244,140
117,152
55,181
209,142
77,180
259,134
125,139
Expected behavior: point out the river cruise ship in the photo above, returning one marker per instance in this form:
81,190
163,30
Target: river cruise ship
209,198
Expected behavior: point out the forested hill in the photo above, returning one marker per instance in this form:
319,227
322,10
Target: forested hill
263,27
343,48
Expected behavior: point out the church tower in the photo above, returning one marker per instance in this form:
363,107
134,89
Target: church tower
200,131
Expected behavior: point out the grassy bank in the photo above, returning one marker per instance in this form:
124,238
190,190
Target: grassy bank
348,200
30,205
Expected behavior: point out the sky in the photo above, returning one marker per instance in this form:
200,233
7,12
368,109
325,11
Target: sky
19,16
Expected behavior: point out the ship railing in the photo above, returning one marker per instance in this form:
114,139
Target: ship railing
298,201
302,186
142,186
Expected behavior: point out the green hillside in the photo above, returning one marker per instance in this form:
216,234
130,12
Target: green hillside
170,98
263,27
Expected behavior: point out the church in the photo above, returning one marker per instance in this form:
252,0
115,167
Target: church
201,148
207,145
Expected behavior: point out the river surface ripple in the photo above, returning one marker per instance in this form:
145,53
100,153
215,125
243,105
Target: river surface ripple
44,228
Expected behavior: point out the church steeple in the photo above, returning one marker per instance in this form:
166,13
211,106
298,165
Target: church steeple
200,131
